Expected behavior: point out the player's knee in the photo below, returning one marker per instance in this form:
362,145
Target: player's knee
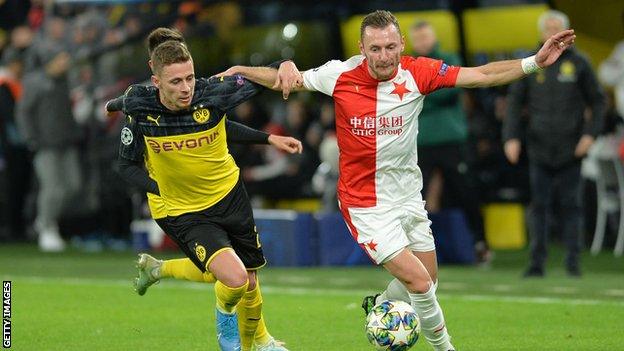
418,285
235,278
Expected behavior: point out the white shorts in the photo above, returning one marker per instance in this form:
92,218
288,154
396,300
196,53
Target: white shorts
383,231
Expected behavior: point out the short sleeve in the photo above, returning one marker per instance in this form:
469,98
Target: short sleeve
430,74
131,145
323,78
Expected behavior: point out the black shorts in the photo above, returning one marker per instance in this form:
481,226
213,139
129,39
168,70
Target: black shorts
227,224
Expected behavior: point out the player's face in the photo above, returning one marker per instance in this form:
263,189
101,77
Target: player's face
176,83
382,48
423,40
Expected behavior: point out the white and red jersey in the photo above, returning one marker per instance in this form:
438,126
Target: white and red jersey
377,125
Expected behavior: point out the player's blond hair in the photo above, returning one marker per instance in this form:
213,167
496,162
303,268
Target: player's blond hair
379,19
168,53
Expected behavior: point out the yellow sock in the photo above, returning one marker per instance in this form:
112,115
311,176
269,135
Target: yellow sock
262,333
251,320
227,297
184,268
249,315
209,278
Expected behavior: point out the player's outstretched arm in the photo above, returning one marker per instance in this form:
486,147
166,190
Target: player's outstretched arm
286,143
242,134
505,72
287,78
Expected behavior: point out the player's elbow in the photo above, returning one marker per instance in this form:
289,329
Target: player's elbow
472,78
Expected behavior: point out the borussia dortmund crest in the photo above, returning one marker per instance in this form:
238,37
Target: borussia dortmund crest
200,251
201,116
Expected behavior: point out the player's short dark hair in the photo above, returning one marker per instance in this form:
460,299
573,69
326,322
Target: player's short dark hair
168,53
379,19
161,35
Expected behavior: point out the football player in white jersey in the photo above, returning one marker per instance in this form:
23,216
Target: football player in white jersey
378,96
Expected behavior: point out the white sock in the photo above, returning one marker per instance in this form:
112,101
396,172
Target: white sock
431,320
395,291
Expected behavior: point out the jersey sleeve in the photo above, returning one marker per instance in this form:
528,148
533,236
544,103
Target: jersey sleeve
241,134
323,78
115,104
430,74
225,93
140,98
131,145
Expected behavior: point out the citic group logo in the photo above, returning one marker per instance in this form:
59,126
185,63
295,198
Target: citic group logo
380,125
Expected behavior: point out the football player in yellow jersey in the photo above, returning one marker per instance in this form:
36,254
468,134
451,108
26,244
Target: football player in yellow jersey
150,268
179,126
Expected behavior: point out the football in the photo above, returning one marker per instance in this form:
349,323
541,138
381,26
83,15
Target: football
392,325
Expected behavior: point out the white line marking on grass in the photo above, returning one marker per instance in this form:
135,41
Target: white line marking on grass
562,290
308,291
502,288
351,306
314,291
341,281
614,292
295,279
535,300
452,286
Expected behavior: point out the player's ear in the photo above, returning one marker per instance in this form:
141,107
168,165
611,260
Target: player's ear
361,46
402,43
155,81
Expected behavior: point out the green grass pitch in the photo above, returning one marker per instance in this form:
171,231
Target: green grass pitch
81,301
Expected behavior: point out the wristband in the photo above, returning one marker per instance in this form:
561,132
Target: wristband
529,65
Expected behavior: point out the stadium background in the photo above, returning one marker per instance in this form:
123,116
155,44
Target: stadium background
80,298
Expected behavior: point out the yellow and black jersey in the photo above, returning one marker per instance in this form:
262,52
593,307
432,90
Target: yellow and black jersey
155,203
185,151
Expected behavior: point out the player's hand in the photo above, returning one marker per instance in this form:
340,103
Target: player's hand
583,146
288,78
554,47
284,143
512,150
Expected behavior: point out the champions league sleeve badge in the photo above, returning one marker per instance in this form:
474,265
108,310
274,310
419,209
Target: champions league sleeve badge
443,69
126,136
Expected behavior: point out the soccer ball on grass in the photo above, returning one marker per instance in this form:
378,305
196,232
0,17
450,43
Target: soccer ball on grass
392,325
